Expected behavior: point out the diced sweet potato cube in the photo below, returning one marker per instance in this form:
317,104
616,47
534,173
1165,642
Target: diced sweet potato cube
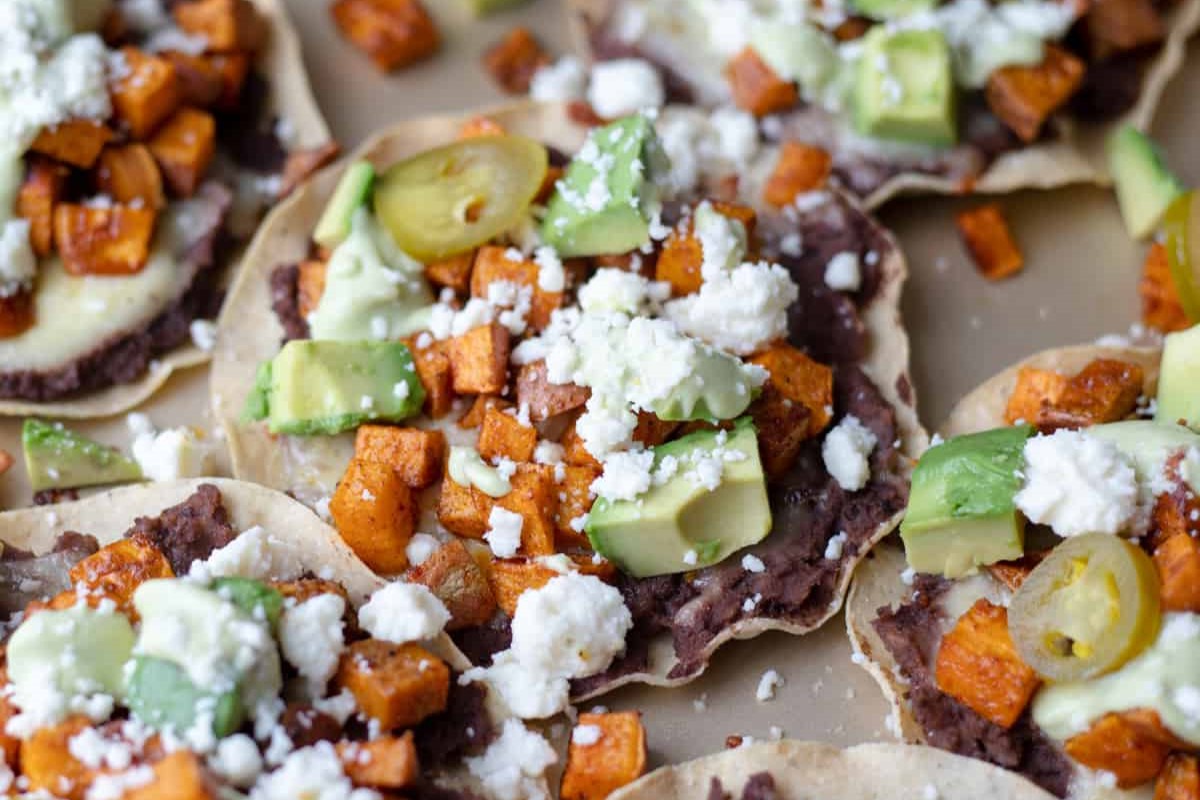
393,33
642,263
455,577
575,499
451,273
184,147
492,264
302,163
534,496
1035,389
483,403
652,431
682,256
376,514
1161,308
801,168
303,589
103,241
1119,26
512,577
77,142
416,455
1176,511
397,684
1179,779
1024,97
512,61
463,510
545,399
225,25
435,373
116,570
178,776
201,83
36,199
756,87
979,666
479,360
783,427
1120,744
147,94
1177,560
800,379
480,125
852,28
389,762
502,435
575,451
1013,573
128,173
1106,390
986,234
234,69
310,286
47,762
616,758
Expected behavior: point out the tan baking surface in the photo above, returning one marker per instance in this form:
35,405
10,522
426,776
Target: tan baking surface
1080,282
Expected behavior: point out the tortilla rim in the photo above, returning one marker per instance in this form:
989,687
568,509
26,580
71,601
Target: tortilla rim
245,339
292,95
872,771
877,581
1079,158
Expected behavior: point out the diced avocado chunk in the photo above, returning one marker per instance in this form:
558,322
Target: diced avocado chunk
718,387
905,87
1149,444
681,524
253,597
77,650
56,457
1145,186
796,51
481,7
351,193
607,197
892,9
1179,379
161,695
326,387
961,513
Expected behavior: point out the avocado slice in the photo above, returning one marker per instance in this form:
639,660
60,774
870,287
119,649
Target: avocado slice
1145,185
607,197
892,9
1178,378
352,192
326,387
250,596
904,87
56,458
797,51
101,643
681,525
961,513
161,695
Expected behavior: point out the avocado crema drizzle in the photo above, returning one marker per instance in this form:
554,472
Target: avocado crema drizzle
1097,624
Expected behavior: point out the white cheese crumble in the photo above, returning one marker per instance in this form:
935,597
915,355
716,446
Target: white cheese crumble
237,760
843,273
403,612
1077,484
738,310
420,548
252,554
835,546
586,735
561,82
310,772
752,563
310,638
626,475
845,451
514,765
204,334
768,684
18,264
625,86
504,532
168,455
551,275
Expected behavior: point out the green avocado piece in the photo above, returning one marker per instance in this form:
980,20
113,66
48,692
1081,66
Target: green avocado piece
99,644
1145,185
1149,444
160,694
961,513
797,51
681,525
892,9
1179,379
56,457
607,197
250,595
481,7
904,87
326,387
351,193
718,387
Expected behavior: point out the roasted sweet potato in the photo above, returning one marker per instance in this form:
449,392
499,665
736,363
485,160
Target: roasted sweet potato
47,762
1177,560
118,569
575,499
455,577
103,241
502,435
451,273
416,455
479,360
534,496
1179,779
682,255
1120,26
512,61
575,451
393,33
225,25
1024,97
1126,745
782,429
512,577
607,752
463,510
36,199
545,399
985,232
801,168
979,666
652,431
1013,573
10,746
178,776
128,173
493,264
376,514
1161,308
756,87
77,142
800,379
147,94
434,371
482,404
1035,388
1106,390
184,147
397,684
303,162
17,314
201,83
310,286
389,762
234,69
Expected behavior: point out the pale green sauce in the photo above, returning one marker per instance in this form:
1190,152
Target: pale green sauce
468,469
